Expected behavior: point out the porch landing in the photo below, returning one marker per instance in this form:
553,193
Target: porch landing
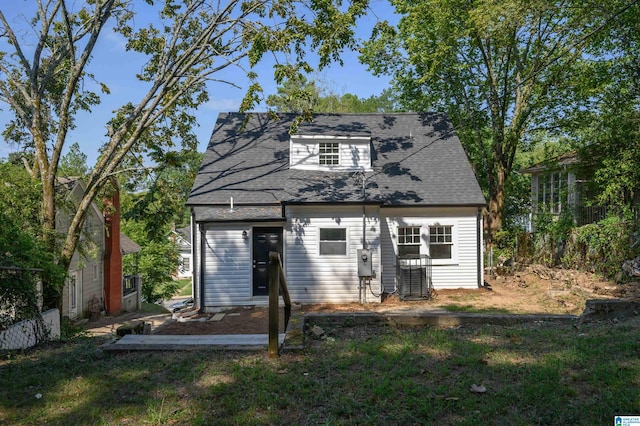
141,342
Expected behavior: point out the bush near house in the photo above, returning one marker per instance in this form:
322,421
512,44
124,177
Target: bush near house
600,247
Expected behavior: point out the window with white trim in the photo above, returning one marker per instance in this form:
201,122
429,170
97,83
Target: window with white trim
552,192
333,241
329,153
440,242
408,241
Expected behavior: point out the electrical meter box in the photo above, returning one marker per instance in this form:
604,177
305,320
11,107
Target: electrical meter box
365,264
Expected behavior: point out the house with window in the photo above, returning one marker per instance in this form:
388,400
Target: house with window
94,279
340,189
182,238
561,185
554,184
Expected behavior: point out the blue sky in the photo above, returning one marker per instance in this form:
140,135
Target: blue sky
116,68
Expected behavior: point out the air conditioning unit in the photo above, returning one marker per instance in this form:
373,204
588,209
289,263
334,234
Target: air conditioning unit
413,275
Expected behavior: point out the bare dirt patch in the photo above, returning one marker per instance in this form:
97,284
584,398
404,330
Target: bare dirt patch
535,289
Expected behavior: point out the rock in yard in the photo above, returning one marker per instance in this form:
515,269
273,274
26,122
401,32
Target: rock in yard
478,389
317,331
136,327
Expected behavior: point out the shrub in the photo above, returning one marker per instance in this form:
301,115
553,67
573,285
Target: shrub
602,247
552,234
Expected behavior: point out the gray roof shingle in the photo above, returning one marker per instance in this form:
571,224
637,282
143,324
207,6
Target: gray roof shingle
417,160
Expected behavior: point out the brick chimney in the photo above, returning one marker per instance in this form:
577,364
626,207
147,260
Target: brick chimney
112,255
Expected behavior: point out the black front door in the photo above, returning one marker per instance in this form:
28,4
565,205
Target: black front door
265,240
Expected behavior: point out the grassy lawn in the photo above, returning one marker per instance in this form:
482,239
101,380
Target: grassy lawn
537,373
152,308
184,288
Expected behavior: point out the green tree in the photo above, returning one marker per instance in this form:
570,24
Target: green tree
20,245
608,132
295,95
350,103
497,68
74,162
151,209
304,97
45,72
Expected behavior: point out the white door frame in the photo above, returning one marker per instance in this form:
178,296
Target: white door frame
75,293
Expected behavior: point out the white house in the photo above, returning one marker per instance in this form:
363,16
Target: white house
397,185
182,238
94,279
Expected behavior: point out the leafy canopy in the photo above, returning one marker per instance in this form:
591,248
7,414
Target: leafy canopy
498,68
46,77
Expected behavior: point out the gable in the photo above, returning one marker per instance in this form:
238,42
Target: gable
407,159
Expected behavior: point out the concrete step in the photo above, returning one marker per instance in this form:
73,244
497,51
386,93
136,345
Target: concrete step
141,342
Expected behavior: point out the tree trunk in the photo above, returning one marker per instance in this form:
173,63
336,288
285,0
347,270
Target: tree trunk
496,203
51,285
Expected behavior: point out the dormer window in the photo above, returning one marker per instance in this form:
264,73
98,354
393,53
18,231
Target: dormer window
329,154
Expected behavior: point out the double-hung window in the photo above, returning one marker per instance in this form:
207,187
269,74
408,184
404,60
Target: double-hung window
333,241
329,153
408,241
440,242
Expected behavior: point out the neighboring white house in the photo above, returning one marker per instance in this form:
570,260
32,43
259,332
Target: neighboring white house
87,283
554,184
183,240
398,185
85,277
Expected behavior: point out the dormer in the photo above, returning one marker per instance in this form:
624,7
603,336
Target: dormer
330,153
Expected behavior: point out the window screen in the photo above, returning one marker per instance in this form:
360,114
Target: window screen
333,241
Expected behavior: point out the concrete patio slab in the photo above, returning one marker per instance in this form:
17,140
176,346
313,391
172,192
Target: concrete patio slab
139,342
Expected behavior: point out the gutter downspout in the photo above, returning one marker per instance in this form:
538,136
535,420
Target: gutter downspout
479,245
195,265
201,266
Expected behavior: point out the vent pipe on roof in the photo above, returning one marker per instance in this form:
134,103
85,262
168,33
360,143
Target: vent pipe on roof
231,203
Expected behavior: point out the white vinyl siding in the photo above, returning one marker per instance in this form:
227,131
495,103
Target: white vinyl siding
227,265
313,278
461,271
314,154
88,261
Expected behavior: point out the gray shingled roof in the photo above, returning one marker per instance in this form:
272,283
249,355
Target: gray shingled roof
127,245
417,161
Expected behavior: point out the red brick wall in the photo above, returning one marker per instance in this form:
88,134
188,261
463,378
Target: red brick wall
113,257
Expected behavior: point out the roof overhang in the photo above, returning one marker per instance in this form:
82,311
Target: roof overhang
127,245
237,214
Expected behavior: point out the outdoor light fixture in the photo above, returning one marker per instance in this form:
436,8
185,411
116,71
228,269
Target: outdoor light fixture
244,235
